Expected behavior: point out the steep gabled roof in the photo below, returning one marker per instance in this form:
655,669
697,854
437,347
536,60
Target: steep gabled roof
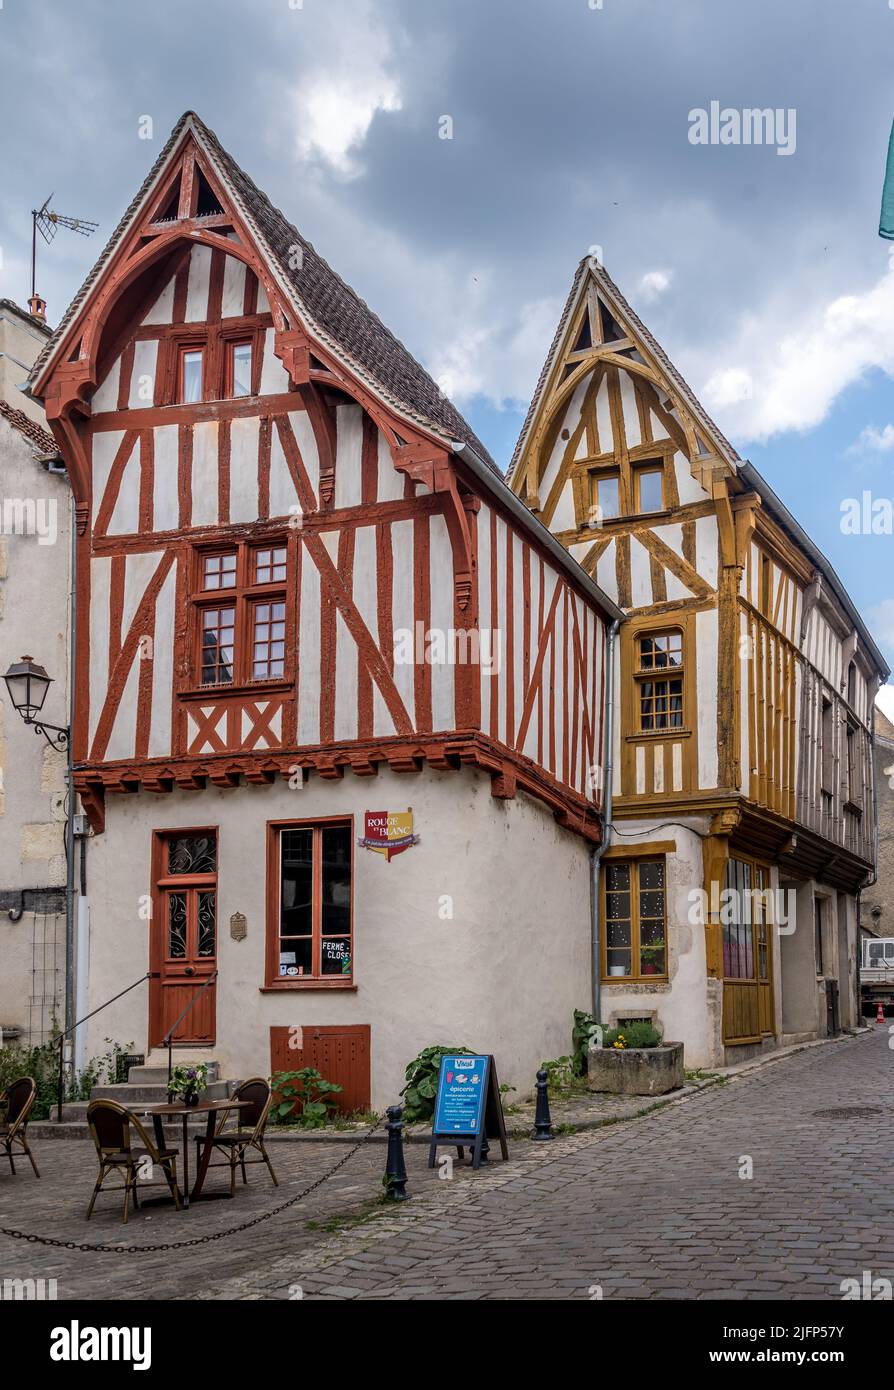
328,308
619,305
43,442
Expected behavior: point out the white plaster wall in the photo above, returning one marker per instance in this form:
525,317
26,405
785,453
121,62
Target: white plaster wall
503,975
681,1005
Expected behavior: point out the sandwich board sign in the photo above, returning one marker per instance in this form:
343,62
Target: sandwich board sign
468,1109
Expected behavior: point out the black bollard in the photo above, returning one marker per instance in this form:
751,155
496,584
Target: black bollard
395,1168
543,1125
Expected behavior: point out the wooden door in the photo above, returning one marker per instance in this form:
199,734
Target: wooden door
748,1010
340,1053
183,948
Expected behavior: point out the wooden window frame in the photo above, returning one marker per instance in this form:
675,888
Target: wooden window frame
655,674
633,859
273,981
243,596
638,469
230,345
185,349
594,477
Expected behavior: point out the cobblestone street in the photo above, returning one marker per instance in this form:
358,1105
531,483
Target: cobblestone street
650,1208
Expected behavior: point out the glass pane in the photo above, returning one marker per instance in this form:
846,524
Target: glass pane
650,499
651,875
607,497
295,956
876,953
296,889
619,962
191,366
336,955
218,638
268,651
617,934
192,854
270,565
336,919
206,914
219,572
241,369
176,925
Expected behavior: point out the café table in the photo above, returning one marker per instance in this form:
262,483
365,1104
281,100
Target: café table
178,1107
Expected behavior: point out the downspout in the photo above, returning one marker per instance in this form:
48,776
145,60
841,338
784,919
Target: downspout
608,758
72,797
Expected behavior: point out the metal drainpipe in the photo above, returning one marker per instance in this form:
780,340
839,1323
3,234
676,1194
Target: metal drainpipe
608,757
72,799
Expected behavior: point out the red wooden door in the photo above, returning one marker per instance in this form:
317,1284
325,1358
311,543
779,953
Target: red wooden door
339,1054
184,938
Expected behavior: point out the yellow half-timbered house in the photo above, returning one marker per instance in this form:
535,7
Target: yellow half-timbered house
741,797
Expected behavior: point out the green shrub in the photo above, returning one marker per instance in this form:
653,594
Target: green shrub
583,1031
633,1035
421,1077
560,1073
305,1088
42,1063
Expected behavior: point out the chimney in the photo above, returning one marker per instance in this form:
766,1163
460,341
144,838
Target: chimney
38,307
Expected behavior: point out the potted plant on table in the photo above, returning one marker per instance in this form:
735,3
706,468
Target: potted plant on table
187,1083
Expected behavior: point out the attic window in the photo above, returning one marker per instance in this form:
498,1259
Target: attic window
171,208
611,331
207,205
584,340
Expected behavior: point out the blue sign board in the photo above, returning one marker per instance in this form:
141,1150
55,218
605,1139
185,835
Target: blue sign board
462,1095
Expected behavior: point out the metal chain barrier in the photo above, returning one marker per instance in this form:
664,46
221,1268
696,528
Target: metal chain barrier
196,1240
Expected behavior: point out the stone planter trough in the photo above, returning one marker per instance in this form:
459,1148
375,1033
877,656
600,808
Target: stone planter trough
636,1071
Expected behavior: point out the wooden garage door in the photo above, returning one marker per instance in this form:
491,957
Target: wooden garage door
340,1053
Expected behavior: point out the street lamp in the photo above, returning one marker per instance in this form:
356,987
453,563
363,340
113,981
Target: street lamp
28,684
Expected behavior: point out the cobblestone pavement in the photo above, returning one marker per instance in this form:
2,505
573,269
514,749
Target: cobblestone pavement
653,1207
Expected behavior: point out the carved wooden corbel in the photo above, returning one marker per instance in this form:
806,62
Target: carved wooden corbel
427,464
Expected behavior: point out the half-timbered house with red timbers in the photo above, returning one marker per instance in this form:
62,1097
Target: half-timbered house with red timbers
743,821
338,712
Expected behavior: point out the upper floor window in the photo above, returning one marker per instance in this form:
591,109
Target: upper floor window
191,375
648,485
241,608
604,496
659,678
238,374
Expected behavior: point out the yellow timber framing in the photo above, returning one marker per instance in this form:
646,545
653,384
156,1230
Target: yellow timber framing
657,745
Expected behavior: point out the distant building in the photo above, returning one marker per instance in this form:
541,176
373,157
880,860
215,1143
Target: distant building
35,532
877,900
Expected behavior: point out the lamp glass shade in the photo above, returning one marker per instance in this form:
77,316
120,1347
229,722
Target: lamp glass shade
27,684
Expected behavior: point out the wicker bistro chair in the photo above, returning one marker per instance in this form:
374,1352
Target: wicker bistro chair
15,1107
252,1122
110,1127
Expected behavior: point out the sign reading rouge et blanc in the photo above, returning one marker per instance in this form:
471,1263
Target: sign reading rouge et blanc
388,832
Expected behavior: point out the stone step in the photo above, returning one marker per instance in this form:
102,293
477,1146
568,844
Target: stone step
71,1128
134,1093
154,1073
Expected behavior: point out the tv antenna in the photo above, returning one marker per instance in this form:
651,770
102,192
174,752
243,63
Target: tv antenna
48,222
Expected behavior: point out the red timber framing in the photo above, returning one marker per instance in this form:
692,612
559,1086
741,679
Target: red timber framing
387,532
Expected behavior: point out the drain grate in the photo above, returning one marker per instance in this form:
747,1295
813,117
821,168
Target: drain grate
849,1112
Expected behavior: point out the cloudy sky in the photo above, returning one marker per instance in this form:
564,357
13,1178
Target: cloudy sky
760,271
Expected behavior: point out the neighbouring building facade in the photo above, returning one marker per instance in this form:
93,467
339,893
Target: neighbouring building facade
339,700
35,571
876,905
742,825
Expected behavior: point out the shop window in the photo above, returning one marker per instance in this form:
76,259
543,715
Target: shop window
310,866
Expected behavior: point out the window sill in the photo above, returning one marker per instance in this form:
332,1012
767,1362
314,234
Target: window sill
288,986
249,688
635,980
657,733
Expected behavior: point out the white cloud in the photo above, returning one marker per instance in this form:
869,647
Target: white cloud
653,284
336,102
874,440
796,378
885,697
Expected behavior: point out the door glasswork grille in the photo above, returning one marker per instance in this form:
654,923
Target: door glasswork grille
206,916
176,925
192,854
